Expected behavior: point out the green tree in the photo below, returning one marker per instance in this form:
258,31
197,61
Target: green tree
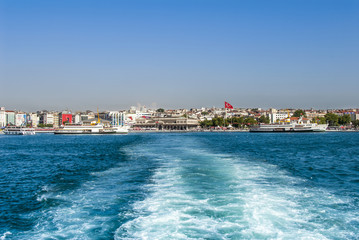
332,119
263,119
250,121
217,121
206,123
204,113
319,120
355,123
160,110
299,113
344,120
41,125
237,122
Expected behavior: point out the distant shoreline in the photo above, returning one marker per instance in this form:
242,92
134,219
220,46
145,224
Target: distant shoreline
189,131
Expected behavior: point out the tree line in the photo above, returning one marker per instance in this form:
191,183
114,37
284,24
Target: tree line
241,122
237,122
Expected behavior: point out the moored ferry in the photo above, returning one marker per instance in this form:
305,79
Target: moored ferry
19,131
291,125
85,129
92,127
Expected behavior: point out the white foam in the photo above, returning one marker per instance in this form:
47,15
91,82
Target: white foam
196,194
3,237
80,212
257,201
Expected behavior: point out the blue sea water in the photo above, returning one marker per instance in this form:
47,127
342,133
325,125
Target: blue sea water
180,186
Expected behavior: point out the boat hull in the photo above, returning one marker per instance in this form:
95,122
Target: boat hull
290,128
83,132
19,131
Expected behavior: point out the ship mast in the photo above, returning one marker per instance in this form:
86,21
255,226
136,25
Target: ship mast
98,117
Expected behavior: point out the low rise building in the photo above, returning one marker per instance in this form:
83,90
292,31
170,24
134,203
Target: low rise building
314,114
275,115
166,123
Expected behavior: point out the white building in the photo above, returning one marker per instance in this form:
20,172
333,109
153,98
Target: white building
2,117
117,118
34,118
130,118
48,118
78,118
20,119
275,115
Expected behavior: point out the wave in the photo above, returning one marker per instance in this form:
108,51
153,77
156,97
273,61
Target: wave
3,237
176,187
196,194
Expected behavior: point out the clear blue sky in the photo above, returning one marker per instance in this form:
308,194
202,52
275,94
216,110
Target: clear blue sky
178,54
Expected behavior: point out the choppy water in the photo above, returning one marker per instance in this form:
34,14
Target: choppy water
180,186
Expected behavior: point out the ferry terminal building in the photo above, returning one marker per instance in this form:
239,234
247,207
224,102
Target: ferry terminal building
166,123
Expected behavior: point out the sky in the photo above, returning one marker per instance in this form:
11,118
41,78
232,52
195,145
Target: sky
85,54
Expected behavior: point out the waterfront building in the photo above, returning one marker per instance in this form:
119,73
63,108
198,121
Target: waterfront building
84,116
117,118
130,119
90,115
48,118
10,117
77,118
166,123
34,119
20,119
275,115
2,117
65,117
56,120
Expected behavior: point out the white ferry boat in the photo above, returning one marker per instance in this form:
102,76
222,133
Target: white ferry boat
92,127
85,129
19,131
120,129
291,125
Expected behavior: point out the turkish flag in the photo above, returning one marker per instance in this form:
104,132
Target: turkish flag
227,105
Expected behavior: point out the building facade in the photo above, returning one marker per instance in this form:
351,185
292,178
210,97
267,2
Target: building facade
49,118
34,119
276,116
166,123
10,118
20,119
65,118
2,117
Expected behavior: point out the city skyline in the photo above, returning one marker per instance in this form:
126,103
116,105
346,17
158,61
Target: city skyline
143,108
179,54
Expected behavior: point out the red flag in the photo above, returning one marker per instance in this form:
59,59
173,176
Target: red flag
227,105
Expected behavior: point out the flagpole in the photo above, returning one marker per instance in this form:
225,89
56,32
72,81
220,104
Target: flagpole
225,115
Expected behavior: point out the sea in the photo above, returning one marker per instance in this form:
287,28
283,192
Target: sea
180,186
